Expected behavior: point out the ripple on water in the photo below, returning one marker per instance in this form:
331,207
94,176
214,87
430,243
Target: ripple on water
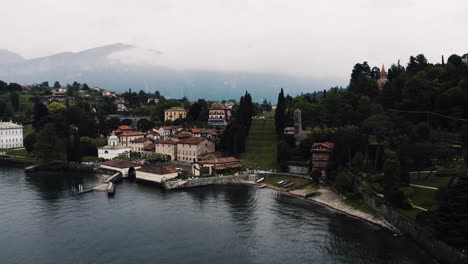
145,224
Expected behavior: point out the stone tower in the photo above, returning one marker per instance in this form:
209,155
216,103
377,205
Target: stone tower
297,121
383,78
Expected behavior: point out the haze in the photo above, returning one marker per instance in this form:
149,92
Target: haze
316,39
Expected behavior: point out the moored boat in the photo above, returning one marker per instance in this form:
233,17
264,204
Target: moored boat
110,189
262,186
281,182
288,185
260,180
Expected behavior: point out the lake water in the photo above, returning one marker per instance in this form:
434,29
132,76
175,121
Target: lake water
42,222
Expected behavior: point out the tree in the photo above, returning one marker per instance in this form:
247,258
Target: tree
280,113
56,107
284,153
40,112
392,179
57,85
49,147
455,60
29,142
15,101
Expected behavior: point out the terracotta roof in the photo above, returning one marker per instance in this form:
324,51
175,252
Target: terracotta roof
118,163
328,145
132,133
184,135
150,147
157,169
195,130
140,140
220,160
192,141
125,127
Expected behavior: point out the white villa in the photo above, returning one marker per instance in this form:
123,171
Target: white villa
11,135
113,149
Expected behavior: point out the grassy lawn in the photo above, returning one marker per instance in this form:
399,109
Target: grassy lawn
424,198
298,182
411,213
17,152
433,180
261,146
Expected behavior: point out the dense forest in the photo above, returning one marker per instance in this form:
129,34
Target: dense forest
413,130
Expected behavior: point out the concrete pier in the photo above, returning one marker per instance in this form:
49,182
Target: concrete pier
204,181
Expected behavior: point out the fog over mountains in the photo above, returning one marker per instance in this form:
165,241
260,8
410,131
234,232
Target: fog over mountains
120,67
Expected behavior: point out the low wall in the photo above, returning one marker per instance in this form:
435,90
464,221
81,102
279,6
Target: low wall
261,174
436,248
203,181
61,167
298,170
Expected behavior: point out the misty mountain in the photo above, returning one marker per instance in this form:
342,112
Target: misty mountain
7,57
119,67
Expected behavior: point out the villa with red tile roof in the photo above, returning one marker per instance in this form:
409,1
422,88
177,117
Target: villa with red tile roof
219,116
321,154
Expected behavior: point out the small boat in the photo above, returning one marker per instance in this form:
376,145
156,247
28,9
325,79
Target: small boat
284,183
281,182
110,189
288,185
260,180
262,186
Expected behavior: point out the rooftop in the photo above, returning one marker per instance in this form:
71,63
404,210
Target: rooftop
140,140
180,109
8,125
220,160
118,163
157,169
192,141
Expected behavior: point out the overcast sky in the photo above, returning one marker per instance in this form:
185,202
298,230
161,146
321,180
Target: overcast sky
318,39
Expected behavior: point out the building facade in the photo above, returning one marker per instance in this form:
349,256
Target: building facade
11,135
189,149
219,116
174,113
113,149
321,154
166,147
138,145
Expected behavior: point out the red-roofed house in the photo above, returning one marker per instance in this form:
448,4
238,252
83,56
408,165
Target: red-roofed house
219,116
128,136
215,166
321,153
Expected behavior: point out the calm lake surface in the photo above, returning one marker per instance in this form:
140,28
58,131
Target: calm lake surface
42,222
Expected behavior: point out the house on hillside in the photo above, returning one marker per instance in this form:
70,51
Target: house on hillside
321,154
174,113
167,148
219,116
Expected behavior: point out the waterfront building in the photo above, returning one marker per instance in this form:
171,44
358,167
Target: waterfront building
149,149
113,149
138,145
11,135
216,166
321,154
156,173
382,79
123,166
219,116
153,134
167,148
189,149
174,113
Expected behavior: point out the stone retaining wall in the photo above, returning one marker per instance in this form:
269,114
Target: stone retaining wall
436,248
203,181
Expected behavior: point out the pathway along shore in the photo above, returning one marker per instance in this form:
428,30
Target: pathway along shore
335,202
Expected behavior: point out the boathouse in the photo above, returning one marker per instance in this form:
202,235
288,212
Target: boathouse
123,166
156,173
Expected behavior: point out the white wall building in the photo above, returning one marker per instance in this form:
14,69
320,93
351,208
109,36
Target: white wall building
11,135
113,149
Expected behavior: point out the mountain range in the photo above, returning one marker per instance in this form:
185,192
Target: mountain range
119,67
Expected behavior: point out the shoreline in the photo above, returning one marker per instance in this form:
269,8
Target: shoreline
351,212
